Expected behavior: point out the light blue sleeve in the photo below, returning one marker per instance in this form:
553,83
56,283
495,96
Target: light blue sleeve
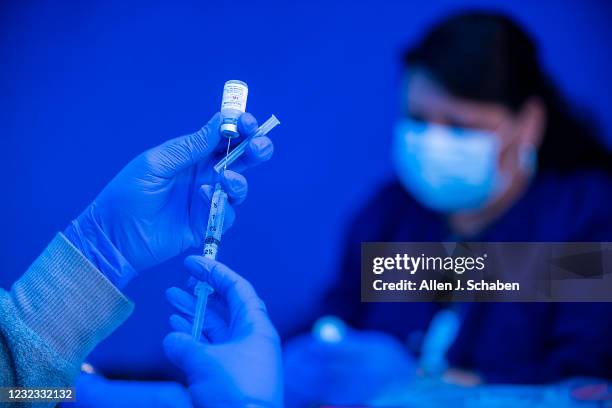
53,316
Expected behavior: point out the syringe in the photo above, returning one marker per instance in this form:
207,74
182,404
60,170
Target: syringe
214,229
263,130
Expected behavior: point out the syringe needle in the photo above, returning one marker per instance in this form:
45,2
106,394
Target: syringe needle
229,139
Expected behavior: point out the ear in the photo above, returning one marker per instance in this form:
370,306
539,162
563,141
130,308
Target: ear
532,122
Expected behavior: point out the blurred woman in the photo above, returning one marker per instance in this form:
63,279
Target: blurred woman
486,150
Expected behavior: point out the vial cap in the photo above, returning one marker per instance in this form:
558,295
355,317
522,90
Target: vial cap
229,129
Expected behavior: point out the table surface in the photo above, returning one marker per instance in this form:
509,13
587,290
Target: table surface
436,393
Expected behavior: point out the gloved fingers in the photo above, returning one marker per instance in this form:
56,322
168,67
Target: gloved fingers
247,125
218,307
208,191
233,288
191,282
259,150
175,155
199,208
235,185
214,298
247,311
184,352
200,212
215,327
180,324
184,302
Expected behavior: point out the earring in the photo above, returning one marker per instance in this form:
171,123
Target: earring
527,158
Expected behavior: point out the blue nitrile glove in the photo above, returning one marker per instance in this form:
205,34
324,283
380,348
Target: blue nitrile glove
93,391
350,371
238,364
157,206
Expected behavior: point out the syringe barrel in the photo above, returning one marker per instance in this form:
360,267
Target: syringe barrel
214,229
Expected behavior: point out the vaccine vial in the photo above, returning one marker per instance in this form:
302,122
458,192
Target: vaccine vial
232,106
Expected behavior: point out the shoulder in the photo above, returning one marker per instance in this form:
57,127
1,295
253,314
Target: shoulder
581,198
581,188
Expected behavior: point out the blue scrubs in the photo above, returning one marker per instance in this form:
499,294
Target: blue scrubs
504,342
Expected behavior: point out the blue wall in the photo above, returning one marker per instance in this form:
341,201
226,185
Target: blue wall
85,87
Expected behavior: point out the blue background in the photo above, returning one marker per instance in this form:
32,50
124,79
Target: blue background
86,86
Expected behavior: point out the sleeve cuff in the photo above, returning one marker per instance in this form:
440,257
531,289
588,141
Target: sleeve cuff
68,302
88,237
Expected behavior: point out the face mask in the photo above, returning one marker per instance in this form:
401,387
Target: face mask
448,169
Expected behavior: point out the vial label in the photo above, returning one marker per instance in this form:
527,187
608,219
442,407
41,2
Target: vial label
234,96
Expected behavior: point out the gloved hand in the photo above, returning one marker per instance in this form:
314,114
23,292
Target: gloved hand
155,208
93,391
350,371
238,364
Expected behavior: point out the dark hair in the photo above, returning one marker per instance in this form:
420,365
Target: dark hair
488,57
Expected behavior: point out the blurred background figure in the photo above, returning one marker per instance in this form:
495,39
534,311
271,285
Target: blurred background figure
486,150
